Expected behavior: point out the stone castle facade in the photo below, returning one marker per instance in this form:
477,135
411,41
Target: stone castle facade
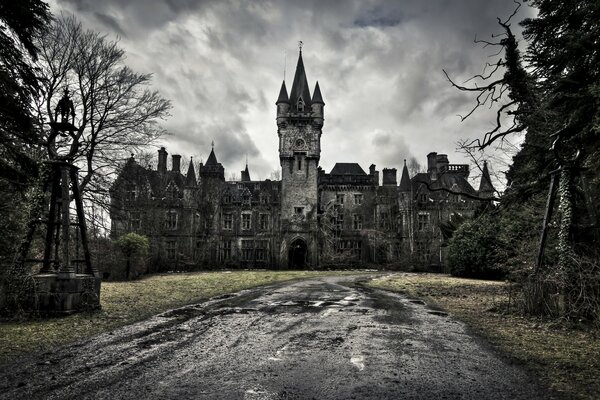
308,219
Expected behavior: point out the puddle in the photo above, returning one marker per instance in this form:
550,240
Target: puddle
438,313
358,362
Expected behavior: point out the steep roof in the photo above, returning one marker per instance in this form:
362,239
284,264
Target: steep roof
190,178
347,169
300,86
405,180
317,98
454,182
283,95
212,159
485,186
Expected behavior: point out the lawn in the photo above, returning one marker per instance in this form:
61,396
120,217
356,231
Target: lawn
127,302
566,358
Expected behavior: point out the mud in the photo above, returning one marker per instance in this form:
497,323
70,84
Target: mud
327,338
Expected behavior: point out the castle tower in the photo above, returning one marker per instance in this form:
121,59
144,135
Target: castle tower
299,124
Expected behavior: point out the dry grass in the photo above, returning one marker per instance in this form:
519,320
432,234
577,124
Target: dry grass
567,359
127,302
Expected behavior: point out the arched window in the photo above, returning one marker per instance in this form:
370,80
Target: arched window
300,104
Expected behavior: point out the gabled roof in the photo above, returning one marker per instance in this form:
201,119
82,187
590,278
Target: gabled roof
405,180
317,98
300,86
283,95
347,169
485,186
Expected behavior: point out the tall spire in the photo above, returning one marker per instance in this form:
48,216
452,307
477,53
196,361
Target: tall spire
485,186
404,180
246,173
190,178
300,88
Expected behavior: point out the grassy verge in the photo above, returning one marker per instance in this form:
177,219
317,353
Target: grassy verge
127,302
567,359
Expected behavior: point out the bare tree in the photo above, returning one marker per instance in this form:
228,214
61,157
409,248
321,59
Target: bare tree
504,85
116,111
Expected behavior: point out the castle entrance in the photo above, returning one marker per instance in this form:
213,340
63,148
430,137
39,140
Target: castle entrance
297,254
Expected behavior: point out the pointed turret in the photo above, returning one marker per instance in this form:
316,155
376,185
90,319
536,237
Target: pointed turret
404,180
283,95
486,189
212,159
190,178
300,98
246,174
212,168
317,98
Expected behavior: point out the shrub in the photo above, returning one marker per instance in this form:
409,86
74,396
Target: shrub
473,249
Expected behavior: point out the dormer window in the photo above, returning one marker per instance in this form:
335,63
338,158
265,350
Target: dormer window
172,192
300,104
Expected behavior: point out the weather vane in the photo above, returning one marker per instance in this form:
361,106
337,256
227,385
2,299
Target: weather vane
300,44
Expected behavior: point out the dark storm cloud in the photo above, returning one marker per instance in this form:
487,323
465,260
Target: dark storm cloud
379,64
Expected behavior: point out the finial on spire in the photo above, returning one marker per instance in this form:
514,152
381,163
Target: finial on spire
246,160
300,43
212,144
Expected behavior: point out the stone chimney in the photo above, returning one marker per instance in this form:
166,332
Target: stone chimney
432,165
374,174
176,163
162,160
389,177
441,162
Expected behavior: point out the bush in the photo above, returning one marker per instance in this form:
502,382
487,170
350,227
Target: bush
473,249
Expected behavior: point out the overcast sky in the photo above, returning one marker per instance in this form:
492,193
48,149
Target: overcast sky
379,65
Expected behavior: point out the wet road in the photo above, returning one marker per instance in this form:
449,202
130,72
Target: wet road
327,338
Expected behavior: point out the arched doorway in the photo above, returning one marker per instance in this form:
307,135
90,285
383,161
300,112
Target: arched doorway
297,254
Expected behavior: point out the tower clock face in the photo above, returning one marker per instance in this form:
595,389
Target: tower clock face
299,143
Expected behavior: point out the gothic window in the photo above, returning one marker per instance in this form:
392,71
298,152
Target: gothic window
171,219
356,248
339,222
227,221
261,250
357,222
423,220
171,249
132,193
247,250
300,104
246,221
135,220
226,250
264,222
358,198
227,198
384,220
339,198
171,192
423,197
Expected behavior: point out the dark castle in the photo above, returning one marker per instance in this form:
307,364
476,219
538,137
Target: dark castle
308,219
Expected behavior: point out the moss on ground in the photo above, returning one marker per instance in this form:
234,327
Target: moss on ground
127,302
566,358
